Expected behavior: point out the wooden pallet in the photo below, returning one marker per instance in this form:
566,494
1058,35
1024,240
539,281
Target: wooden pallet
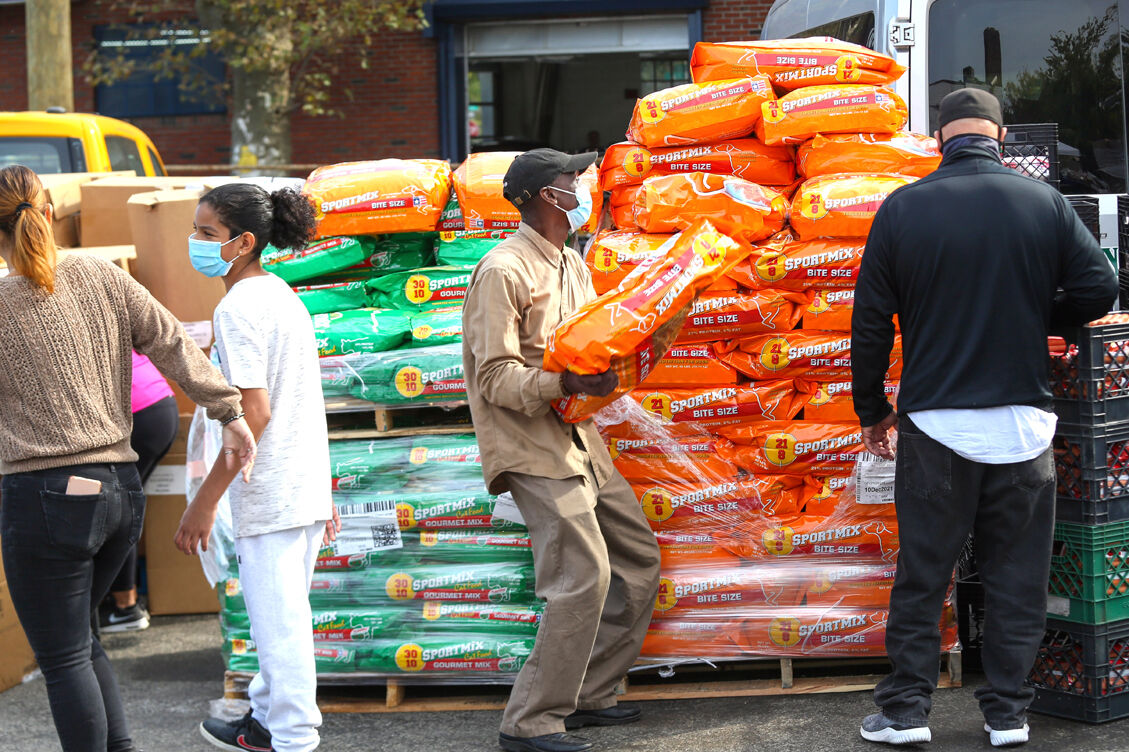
375,693
348,421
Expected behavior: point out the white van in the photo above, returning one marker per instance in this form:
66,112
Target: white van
1049,61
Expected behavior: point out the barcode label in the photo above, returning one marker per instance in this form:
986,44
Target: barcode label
386,536
874,479
383,506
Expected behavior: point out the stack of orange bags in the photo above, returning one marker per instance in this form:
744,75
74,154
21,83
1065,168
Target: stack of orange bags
740,444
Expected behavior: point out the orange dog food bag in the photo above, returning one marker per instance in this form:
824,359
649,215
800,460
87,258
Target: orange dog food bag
478,185
785,264
728,316
899,154
713,407
373,198
821,355
628,163
841,206
794,63
805,113
700,113
613,254
793,447
735,206
631,328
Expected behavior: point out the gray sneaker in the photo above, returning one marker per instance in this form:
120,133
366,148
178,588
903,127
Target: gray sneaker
879,728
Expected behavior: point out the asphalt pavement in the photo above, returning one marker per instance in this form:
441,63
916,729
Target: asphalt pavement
172,674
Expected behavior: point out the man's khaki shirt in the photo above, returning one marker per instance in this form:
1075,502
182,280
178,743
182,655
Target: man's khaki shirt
517,296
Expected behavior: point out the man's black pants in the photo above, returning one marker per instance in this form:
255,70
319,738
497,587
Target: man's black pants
941,497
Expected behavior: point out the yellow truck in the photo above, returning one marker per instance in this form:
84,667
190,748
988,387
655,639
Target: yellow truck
54,142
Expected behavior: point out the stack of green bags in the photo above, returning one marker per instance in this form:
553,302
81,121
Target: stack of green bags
423,579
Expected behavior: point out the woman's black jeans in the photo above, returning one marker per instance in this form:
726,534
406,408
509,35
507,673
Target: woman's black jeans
60,555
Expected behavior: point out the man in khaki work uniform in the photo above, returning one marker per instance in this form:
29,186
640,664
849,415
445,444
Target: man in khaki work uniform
595,556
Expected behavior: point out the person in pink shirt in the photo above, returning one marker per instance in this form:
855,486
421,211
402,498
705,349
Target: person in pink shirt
155,422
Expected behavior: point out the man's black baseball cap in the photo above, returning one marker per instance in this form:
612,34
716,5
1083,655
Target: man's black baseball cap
970,103
535,169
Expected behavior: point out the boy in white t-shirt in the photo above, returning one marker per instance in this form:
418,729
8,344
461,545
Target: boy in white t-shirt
266,348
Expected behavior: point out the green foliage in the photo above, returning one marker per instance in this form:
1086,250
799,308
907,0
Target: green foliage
294,42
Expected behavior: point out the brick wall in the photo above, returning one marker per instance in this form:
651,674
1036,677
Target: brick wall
734,20
393,111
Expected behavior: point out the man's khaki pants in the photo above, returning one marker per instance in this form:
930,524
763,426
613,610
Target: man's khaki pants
597,566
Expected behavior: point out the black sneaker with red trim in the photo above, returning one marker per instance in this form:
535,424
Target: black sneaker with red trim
244,735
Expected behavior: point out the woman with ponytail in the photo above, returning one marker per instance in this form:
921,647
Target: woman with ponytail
72,501
266,347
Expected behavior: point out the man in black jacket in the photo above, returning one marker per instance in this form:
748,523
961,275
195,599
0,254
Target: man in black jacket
978,262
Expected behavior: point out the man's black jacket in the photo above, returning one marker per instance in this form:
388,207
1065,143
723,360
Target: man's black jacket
970,259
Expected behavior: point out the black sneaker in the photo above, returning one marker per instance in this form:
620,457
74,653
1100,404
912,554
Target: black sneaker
129,619
244,735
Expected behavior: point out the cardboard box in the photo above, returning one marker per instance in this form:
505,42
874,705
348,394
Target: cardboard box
176,582
105,220
64,190
16,657
65,231
162,221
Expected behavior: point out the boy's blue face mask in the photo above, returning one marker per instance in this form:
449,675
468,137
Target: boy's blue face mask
205,256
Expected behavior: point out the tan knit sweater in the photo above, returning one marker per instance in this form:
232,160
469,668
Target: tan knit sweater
66,366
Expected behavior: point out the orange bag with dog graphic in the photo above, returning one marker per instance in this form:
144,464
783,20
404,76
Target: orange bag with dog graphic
622,202
712,407
841,206
830,311
785,264
793,447
628,163
794,63
738,208
373,198
630,329
700,113
833,401
478,185
728,316
874,540
690,365
688,589
697,504
674,459
613,254
899,154
805,113
590,180
802,353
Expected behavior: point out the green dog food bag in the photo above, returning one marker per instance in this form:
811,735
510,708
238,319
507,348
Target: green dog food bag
474,618
446,655
364,330
467,247
335,296
442,326
317,259
420,289
406,377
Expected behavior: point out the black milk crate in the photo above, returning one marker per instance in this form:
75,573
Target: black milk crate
1088,211
1090,382
1032,149
1081,672
1123,250
1092,472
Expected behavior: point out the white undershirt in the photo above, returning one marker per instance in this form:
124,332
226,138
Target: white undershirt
992,435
